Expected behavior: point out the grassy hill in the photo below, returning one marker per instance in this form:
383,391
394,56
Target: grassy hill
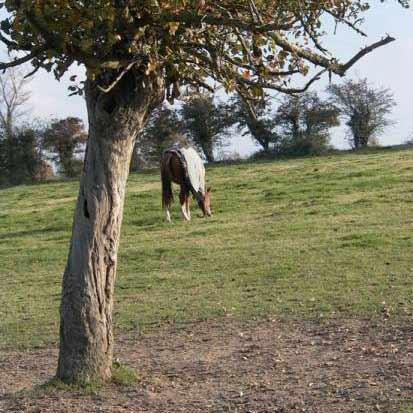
316,238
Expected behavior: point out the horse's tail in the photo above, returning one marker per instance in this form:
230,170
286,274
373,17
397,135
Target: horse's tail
167,194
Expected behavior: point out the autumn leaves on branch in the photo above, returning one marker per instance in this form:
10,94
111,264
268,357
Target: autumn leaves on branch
247,46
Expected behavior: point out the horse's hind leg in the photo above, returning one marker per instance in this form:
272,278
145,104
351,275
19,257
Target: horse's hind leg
188,205
167,195
183,198
167,206
168,214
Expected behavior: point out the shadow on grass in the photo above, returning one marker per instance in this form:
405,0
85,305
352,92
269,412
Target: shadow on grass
32,232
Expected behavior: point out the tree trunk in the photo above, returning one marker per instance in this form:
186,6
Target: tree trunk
209,155
86,333
357,142
265,145
135,161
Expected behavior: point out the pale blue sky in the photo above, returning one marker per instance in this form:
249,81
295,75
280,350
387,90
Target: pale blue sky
390,66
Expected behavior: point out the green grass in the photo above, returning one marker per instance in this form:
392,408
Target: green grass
124,376
329,236
56,385
406,406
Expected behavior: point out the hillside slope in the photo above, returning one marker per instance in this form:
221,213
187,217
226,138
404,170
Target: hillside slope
322,237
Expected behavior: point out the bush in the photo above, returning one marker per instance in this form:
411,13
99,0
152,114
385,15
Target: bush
303,145
66,139
21,160
44,172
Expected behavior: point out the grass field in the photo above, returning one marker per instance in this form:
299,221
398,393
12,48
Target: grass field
309,238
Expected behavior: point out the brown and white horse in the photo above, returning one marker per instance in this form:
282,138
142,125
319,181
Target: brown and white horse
185,168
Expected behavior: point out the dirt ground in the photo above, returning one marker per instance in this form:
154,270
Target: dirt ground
266,366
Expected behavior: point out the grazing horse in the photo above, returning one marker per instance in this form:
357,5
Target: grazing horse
184,167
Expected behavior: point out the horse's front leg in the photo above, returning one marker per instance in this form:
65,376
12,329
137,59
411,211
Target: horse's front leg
183,198
188,205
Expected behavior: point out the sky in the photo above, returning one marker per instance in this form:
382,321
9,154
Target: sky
390,66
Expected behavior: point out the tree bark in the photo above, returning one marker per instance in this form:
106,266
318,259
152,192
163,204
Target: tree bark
86,327
265,145
209,154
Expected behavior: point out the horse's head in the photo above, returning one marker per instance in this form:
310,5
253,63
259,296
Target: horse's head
204,203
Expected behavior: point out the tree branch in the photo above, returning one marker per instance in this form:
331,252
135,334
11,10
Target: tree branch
198,83
32,72
288,91
363,52
9,43
318,60
344,21
118,79
21,60
196,19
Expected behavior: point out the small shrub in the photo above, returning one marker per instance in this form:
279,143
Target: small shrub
124,375
303,145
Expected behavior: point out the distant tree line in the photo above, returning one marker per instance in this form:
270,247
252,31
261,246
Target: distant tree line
293,125
33,150
200,122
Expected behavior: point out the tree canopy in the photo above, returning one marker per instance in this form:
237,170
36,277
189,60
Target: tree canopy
257,117
163,130
306,115
14,97
304,122
65,138
245,45
365,109
204,122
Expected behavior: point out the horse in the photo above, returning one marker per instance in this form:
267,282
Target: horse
184,167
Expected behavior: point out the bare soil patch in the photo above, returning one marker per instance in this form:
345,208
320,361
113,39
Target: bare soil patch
228,366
